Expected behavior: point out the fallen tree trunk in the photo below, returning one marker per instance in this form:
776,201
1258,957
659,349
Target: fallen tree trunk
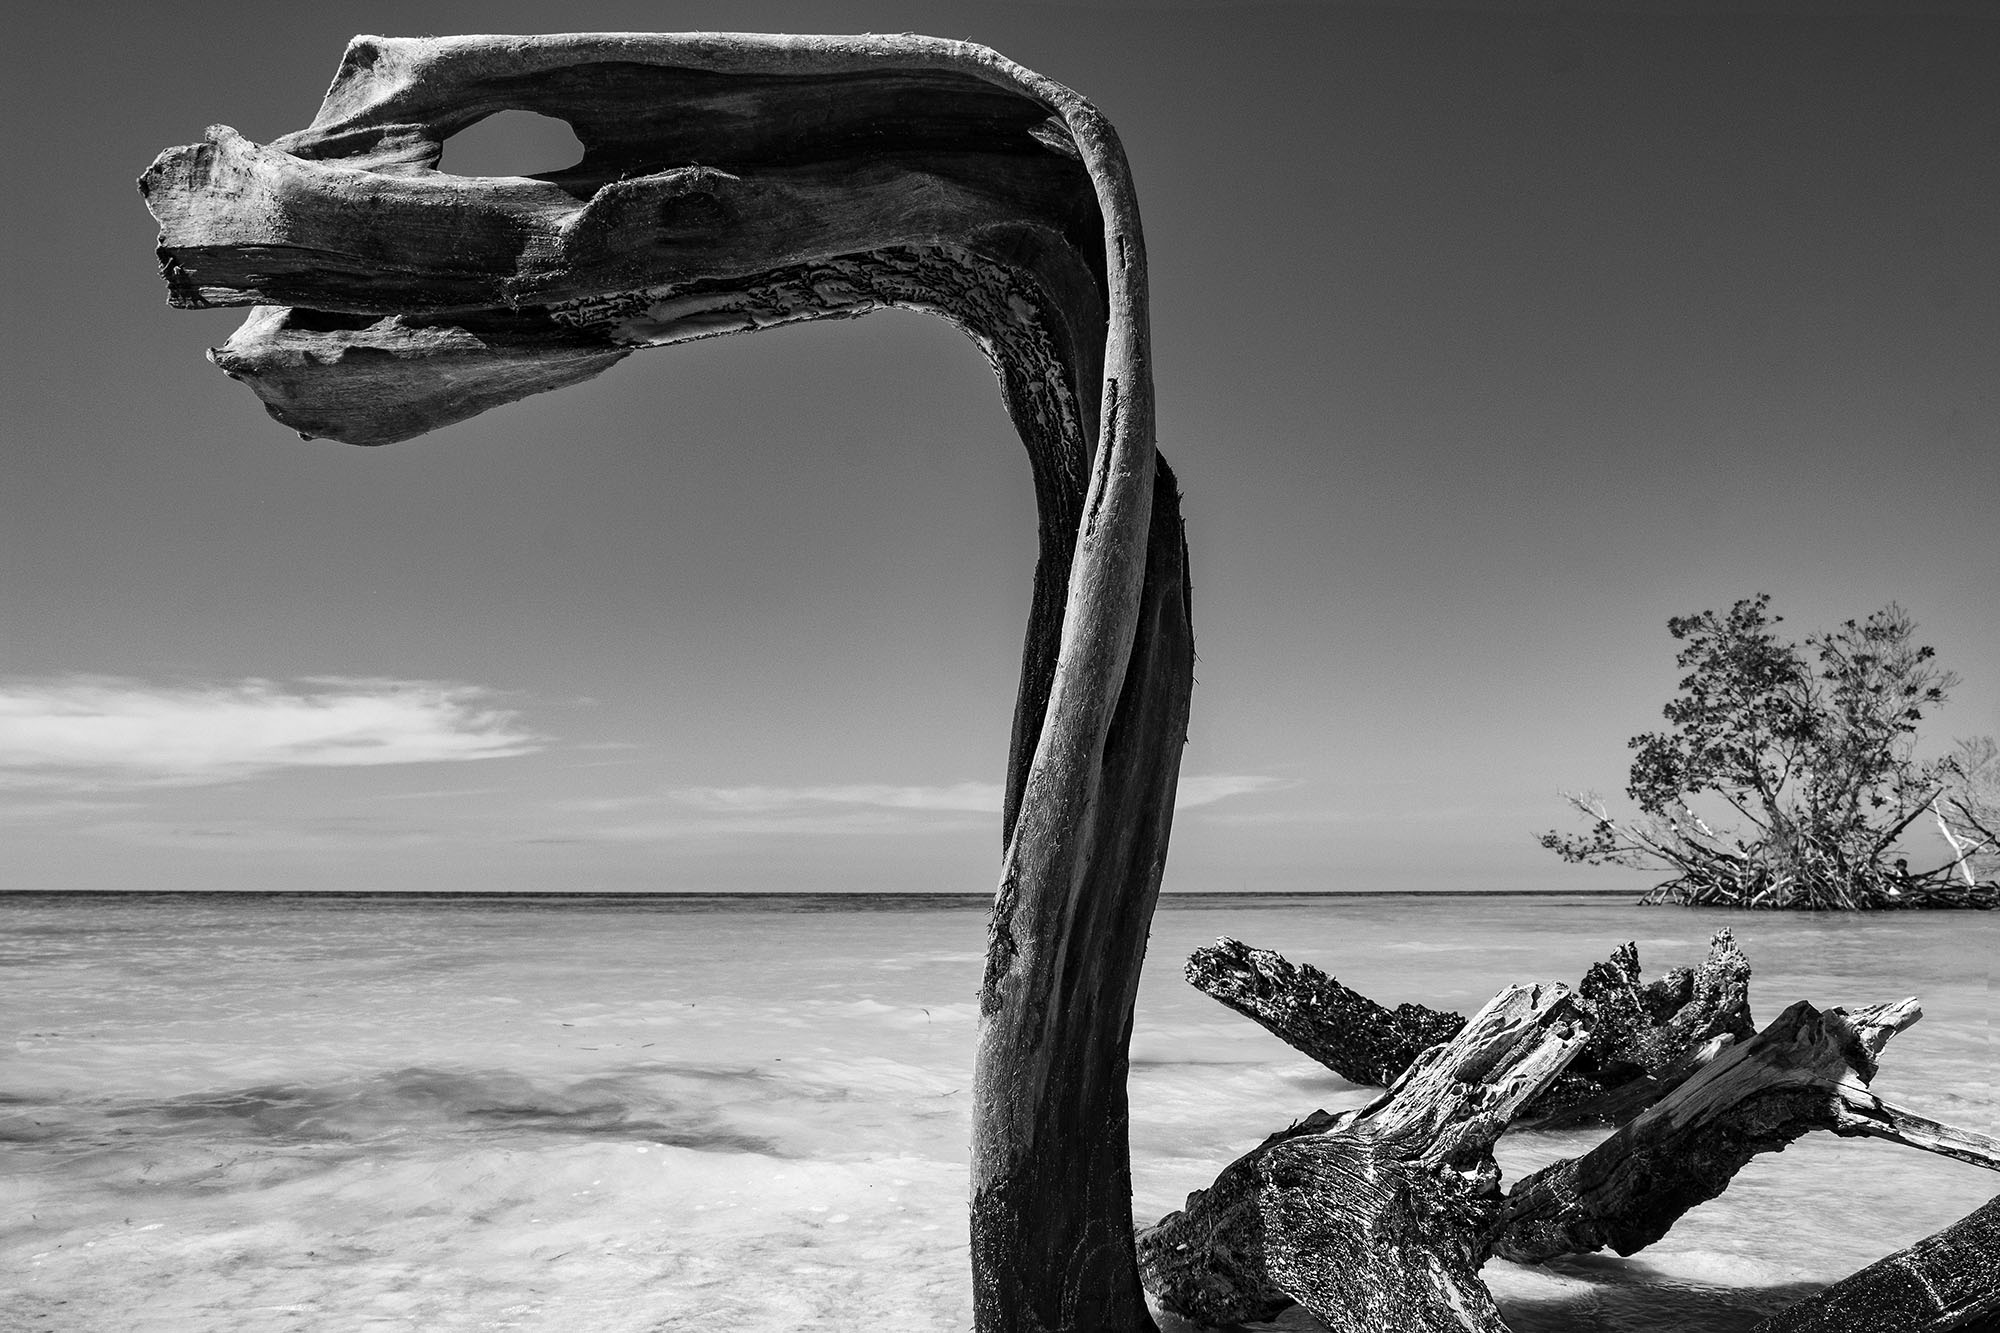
1808,1070
1948,1282
1644,1037
1376,1220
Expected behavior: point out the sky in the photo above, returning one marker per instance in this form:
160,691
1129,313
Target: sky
1488,336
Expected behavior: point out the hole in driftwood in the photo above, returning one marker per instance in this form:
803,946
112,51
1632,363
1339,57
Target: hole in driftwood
512,143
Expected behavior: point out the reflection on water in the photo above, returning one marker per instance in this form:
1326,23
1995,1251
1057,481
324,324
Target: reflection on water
286,1114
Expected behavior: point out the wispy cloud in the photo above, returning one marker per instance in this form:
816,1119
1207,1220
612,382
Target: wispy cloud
436,794
845,808
94,733
971,797
1284,818
830,822
31,810
260,837
1208,788
977,797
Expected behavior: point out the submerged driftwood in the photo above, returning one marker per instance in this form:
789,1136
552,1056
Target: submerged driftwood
1379,1219
731,183
1644,1037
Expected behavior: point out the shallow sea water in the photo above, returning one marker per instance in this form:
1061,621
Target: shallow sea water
711,1114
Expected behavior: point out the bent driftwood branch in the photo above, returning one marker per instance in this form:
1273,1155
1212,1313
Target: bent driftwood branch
1376,1219
737,182
1644,1037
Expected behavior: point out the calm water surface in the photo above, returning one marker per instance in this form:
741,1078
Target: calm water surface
288,1114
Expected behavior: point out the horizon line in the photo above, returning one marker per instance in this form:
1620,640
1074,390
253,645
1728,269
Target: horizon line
618,895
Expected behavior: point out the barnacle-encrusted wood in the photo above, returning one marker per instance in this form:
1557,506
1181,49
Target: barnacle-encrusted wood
731,183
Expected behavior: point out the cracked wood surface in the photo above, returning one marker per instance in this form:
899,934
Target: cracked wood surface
736,182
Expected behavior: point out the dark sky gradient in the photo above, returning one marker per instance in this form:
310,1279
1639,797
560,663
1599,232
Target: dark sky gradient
1488,337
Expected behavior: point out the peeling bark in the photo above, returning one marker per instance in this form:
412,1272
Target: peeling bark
1376,1220
738,182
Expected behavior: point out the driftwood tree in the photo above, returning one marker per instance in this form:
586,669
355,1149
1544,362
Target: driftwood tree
731,183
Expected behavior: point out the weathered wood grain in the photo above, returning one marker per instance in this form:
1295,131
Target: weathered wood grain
1757,1097
1376,1220
1645,1037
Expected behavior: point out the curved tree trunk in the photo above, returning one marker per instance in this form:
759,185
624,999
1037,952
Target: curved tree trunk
1052,1242
735,182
